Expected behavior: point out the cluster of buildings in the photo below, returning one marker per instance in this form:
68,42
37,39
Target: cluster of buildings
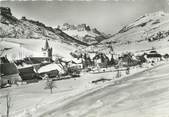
31,68
104,60
28,68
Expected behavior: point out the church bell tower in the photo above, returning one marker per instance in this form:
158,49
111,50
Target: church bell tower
46,50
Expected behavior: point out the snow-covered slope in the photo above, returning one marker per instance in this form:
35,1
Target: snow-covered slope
148,31
84,33
32,47
26,37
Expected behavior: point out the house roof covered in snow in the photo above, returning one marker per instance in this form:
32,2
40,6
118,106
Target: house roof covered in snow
33,60
51,67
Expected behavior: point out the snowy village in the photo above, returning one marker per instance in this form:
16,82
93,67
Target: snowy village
75,70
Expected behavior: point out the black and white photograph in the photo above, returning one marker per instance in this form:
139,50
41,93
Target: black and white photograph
84,58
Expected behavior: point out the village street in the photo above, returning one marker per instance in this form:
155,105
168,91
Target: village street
145,94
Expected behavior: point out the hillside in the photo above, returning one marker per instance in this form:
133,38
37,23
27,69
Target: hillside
84,33
11,27
27,36
19,48
146,32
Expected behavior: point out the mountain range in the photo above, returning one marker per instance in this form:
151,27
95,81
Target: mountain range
150,31
28,37
84,33
11,27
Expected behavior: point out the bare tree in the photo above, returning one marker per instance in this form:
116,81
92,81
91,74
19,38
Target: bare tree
50,85
118,73
8,103
0,82
128,70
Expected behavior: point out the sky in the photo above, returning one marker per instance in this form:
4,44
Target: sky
107,16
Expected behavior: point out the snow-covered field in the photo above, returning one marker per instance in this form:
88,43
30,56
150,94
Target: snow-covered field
161,46
32,47
142,95
33,98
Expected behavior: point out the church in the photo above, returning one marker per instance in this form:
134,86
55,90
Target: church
46,50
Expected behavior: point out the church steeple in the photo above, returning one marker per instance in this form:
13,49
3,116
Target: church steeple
46,45
47,51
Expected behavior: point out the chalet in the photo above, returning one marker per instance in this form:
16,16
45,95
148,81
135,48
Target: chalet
101,60
128,60
8,72
153,56
72,64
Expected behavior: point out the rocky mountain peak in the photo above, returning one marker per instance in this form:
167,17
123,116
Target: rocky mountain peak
82,27
5,11
84,33
6,16
79,27
23,18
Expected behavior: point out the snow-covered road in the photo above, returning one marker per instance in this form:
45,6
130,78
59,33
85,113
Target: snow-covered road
142,95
